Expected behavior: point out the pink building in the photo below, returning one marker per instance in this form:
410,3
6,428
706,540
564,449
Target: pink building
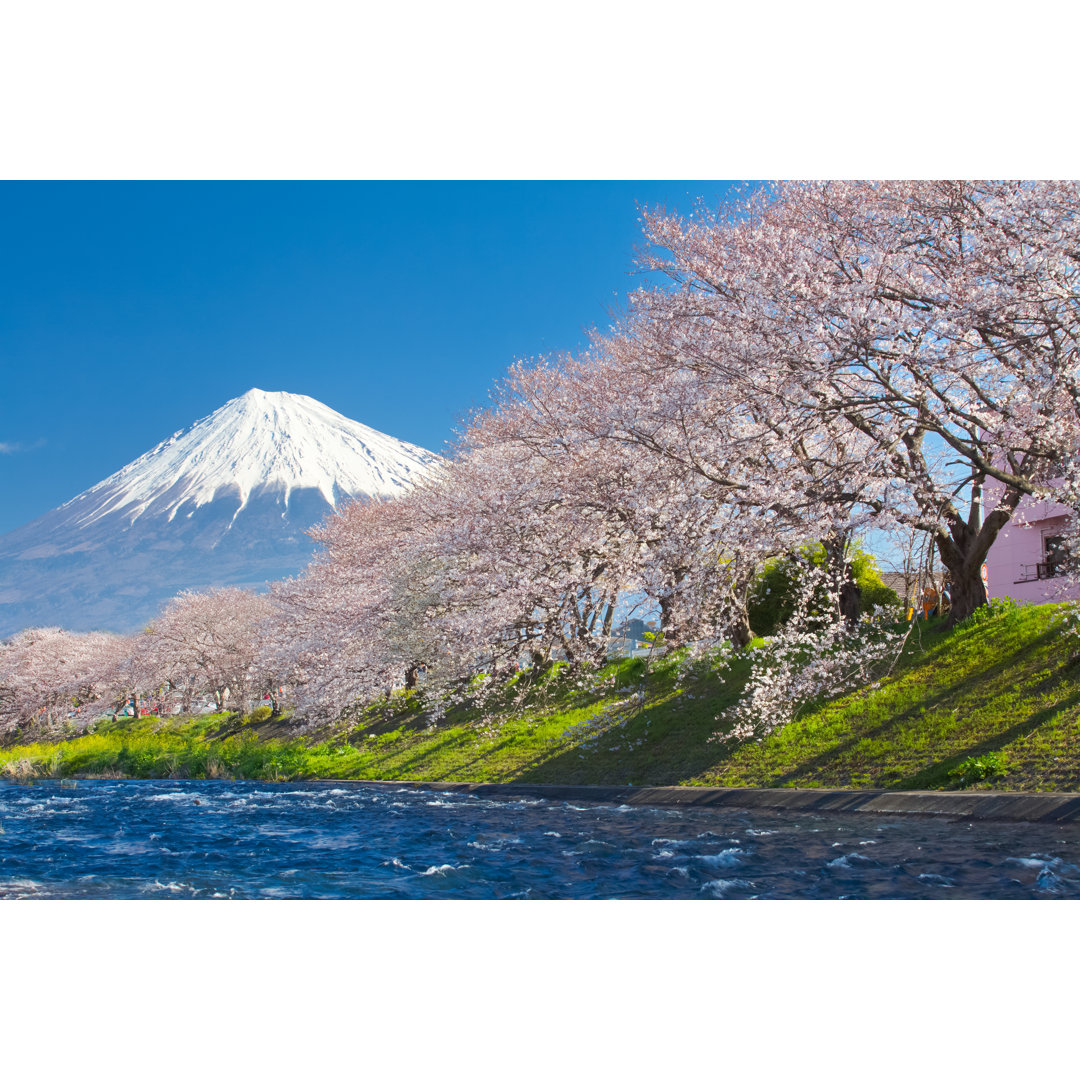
1022,559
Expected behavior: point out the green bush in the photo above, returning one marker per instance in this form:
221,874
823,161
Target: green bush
975,770
263,712
772,598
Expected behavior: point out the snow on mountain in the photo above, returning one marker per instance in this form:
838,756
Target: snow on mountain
226,501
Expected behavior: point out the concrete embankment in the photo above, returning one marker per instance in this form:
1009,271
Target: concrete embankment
1047,807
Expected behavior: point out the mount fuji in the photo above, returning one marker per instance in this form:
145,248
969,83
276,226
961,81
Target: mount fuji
224,502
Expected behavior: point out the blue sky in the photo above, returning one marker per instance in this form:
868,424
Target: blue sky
130,310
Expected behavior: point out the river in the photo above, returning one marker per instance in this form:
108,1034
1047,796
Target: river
209,839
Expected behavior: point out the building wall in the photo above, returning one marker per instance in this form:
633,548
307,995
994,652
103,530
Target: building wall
1020,546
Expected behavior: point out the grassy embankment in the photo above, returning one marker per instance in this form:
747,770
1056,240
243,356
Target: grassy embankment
994,704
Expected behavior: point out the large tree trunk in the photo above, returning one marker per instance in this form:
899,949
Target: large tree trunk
966,590
963,550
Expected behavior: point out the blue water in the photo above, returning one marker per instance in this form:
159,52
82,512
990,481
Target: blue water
223,839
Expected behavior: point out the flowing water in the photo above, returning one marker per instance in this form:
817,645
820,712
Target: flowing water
224,839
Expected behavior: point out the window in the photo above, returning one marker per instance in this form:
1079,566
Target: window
1054,547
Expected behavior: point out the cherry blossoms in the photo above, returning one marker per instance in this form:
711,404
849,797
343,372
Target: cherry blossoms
932,326
49,675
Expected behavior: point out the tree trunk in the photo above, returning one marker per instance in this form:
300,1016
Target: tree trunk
963,550
835,545
541,662
850,599
667,605
669,629
667,609
738,632
412,675
966,590
609,616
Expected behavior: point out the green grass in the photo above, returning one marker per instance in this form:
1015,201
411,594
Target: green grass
1008,686
994,704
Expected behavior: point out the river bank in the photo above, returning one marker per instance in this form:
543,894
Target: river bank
990,706
1043,807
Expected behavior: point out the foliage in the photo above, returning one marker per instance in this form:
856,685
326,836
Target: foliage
895,319
206,643
48,676
975,770
772,599
814,655
797,668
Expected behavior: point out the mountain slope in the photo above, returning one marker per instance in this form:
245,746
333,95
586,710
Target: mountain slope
225,501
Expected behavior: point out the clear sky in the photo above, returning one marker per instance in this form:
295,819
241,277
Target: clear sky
130,310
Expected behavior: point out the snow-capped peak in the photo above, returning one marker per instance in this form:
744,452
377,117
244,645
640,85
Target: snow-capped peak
227,501
261,441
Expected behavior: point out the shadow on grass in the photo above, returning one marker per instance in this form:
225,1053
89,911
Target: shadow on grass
407,762
985,680
674,746
675,733
937,775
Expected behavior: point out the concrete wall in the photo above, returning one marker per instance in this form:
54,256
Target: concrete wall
983,805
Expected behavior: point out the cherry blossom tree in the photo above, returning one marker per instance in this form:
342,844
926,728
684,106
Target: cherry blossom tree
48,673
670,530
932,323
330,636
207,643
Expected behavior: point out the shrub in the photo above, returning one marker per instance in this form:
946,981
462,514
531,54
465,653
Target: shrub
975,770
772,598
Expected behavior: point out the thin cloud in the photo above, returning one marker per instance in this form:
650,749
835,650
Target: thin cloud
20,448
